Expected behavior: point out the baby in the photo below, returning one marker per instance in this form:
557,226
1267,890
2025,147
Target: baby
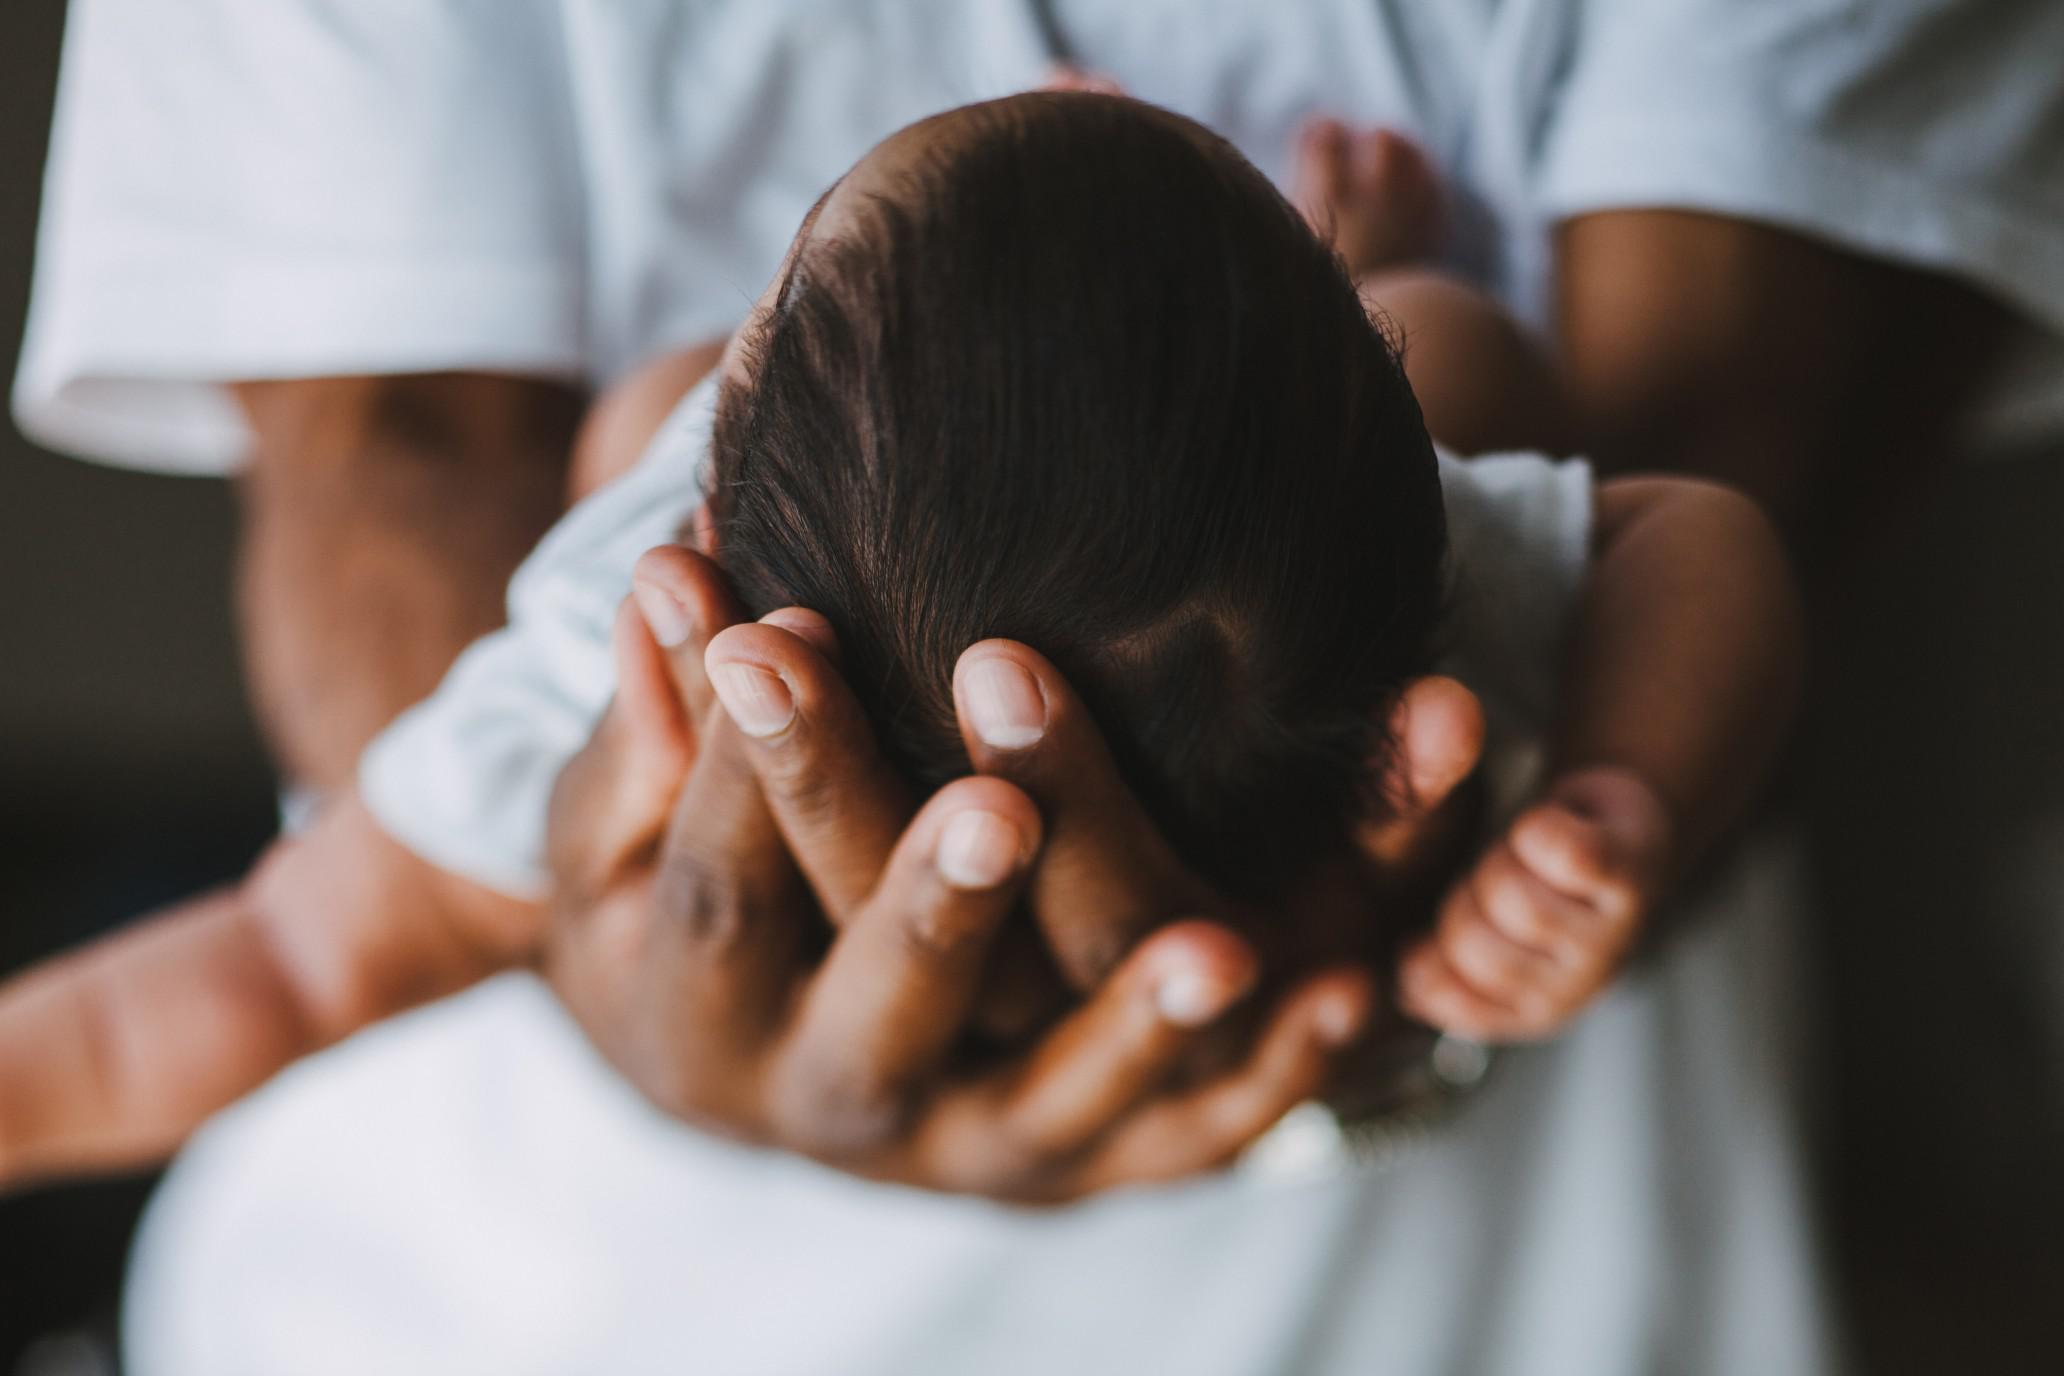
1065,369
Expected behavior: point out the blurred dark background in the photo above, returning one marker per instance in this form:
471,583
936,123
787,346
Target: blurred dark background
1931,784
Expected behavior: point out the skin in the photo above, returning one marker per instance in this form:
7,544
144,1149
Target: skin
382,519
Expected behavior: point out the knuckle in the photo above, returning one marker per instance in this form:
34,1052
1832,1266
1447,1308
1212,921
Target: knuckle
711,902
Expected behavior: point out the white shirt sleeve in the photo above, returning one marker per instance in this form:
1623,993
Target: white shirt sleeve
278,188
1916,130
465,777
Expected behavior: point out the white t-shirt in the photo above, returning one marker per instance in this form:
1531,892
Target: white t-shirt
472,1189
280,188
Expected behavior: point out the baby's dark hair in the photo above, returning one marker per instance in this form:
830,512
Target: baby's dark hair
1088,382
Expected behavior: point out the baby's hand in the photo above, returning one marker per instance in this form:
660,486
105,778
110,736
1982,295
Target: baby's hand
1541,924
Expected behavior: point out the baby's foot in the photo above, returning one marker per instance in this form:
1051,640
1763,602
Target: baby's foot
1370,192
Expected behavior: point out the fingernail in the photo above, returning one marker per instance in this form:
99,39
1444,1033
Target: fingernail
1007,711
664,614
1190,998
977,850
1339,1019
755,699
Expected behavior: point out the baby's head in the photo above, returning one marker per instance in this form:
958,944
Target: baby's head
1066,369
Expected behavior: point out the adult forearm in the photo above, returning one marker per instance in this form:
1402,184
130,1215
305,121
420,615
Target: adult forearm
383,517
112,1054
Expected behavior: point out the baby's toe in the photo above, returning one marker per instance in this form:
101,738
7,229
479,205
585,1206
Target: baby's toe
1065,78
1320,172
1393,191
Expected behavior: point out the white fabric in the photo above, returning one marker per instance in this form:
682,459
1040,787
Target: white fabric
271,188
471,1189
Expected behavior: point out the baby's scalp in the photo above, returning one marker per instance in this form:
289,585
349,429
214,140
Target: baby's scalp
1066,369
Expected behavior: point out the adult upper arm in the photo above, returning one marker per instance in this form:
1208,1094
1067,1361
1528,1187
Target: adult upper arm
1811,377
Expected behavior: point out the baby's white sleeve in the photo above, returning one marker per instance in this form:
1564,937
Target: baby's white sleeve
1519,544
464,778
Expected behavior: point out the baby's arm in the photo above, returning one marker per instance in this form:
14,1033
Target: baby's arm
1684,673
111,1055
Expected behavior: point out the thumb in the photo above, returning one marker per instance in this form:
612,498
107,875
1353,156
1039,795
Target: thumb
684,600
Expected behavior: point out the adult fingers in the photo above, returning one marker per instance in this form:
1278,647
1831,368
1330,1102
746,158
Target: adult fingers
836,799
1115,1050
1206,1127
894,991
1016,1130
1107,877
685,599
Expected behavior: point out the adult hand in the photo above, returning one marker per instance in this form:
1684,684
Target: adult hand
699,845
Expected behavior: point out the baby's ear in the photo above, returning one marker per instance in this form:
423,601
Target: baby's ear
1436,738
